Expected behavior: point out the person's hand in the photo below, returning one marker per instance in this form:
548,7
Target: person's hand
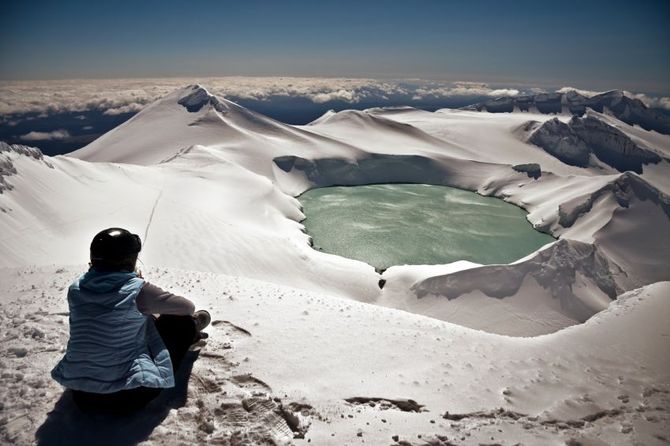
139,273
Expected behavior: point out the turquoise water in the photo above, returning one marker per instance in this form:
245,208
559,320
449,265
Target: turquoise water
417,224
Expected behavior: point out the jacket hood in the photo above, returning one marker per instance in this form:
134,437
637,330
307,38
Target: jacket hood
104,281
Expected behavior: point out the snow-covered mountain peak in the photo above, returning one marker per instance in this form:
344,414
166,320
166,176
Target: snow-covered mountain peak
572,95
357,117
193,116
196,97
323,118
362,119
612,94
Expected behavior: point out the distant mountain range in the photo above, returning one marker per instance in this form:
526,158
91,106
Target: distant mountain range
629,110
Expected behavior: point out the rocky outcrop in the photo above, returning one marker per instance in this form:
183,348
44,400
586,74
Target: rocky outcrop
574,143
560,140
533,170
611,145
199,98
7,154
373,169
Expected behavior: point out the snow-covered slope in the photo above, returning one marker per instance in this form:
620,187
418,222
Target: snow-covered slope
169,127
344,372
563,284
218,216
489,137
355,127
211,187
227,202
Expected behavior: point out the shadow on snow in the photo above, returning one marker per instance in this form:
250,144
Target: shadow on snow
67,425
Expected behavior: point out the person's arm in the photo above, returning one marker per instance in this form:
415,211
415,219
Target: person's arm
154,300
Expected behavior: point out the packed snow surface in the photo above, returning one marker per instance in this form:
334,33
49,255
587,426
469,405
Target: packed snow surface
568,345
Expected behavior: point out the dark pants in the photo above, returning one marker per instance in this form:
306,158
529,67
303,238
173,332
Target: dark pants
178,334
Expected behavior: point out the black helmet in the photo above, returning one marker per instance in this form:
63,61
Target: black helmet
115,248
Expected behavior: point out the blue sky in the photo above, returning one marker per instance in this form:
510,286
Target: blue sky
586,44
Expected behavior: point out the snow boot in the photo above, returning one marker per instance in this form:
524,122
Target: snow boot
202,319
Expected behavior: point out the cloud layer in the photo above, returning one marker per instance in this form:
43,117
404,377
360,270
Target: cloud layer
118,96
45,136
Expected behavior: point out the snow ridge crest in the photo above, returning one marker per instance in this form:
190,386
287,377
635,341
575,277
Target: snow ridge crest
624,189
198,97
555,268
8,152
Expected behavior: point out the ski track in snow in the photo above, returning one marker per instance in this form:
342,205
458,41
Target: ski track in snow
151,216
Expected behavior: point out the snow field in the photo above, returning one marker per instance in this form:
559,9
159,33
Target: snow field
295,349
313,352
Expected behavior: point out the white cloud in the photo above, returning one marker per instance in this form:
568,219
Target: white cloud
464,89
651,101
504,92
45,136
339,95
469,84
664,102
119,96
130,108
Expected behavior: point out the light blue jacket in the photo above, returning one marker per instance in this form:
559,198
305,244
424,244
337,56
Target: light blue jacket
112,345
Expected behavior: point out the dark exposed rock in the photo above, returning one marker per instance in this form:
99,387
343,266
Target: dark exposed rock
199,98
533,170
405,405
574,143
611,145
560,140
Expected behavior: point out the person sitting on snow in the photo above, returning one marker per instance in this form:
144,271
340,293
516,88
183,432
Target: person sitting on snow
119,356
